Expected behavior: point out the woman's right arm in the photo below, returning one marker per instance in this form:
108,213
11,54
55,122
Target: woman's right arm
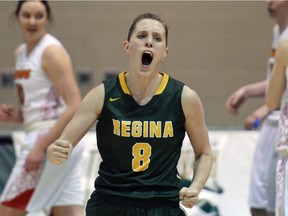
84,118
9,113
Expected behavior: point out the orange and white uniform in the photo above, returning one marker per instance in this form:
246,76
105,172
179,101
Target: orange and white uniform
41,106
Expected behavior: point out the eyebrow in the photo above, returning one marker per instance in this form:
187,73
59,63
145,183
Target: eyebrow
145,31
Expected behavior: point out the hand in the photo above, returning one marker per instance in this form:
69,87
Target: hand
251,122
235,101
59,151
189,197
9,113
35,158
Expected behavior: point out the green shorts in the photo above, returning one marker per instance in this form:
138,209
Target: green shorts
106,205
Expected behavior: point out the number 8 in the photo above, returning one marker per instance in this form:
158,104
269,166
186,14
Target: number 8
141,153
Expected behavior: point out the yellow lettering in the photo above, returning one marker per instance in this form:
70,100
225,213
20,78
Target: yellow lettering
155,129
125,132
145,129
168,130
136,129
116,126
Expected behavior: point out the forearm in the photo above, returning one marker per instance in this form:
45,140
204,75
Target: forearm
202,170
81,122
71,135
256,89
86,115
261,113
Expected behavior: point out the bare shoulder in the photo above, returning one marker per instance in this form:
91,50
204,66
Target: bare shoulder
282,53
54,51
283,44
95,98
191,103
282,48
55,60
190,96
96,93
99,89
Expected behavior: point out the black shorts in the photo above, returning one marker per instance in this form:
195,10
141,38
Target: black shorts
103,205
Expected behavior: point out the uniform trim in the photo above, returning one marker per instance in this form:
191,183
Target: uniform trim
21,201
163,84
160,89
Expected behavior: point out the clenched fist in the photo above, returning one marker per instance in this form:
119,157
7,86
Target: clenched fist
188,196
59,151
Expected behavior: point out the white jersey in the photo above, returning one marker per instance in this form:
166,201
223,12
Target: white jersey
277,36
38,97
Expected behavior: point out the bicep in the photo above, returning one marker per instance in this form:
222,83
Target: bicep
86,115
195,121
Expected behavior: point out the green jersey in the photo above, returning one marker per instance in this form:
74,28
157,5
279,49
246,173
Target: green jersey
140,145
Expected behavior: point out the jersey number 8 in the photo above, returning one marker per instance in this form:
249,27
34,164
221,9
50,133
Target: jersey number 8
141,153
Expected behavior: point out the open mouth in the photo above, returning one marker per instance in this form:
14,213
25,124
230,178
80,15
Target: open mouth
147,58
32,30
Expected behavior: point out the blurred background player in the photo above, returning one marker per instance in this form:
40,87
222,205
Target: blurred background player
262,185
48,98
277,96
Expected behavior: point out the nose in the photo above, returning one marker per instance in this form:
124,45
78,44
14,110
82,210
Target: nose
148,42
32,20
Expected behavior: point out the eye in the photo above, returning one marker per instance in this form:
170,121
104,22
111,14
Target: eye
141,36
25,15
158,39
39,15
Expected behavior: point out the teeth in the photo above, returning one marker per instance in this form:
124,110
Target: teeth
149,53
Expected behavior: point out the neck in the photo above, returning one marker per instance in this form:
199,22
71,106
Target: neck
32,42
143,86
283,23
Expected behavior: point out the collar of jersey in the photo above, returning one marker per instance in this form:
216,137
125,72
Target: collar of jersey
160,89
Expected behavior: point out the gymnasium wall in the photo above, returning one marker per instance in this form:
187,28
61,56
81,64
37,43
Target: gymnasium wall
214,46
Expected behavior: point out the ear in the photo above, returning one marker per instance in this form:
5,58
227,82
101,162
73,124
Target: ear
165,52
126,47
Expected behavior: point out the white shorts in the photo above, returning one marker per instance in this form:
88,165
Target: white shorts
51,186
262,184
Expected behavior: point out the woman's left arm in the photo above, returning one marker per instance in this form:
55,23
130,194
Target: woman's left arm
57,64
198,134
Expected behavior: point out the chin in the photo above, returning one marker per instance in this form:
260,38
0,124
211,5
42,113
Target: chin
146,69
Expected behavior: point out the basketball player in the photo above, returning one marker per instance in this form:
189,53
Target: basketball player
142,116
277,95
